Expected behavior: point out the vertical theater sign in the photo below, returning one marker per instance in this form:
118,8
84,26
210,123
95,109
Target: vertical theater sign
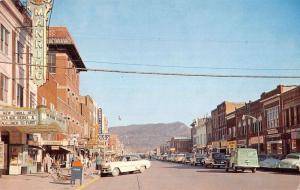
39,12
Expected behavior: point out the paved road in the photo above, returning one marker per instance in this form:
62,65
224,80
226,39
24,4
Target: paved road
170,176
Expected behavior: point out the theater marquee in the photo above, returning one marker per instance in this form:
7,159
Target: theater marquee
39,12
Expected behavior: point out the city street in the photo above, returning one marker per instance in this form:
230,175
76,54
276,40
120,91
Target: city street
171,176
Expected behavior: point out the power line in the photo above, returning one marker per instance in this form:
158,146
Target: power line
171,74
194,75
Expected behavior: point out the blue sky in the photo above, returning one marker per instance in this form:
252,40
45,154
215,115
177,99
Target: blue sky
262,34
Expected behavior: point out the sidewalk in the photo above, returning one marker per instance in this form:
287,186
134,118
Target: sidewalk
43,181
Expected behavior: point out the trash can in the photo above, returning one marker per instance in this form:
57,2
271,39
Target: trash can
76,173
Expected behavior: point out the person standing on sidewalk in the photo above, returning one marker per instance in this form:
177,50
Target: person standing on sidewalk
98,163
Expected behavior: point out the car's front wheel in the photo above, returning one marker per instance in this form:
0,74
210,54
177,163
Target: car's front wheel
115,172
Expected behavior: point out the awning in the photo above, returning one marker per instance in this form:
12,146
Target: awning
66,149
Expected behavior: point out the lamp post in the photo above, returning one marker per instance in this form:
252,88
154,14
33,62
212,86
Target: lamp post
256,124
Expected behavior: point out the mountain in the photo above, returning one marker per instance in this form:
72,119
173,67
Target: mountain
142,138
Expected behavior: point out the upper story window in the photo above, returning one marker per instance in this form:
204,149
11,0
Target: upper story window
3,87
20,52
32,100
4,40
272,117
52,62
20,95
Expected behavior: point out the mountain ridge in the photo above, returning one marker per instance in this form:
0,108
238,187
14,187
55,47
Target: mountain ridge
145,137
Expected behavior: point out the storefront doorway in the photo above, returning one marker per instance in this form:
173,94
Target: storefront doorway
5,139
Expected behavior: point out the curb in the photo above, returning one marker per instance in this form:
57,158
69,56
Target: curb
88,183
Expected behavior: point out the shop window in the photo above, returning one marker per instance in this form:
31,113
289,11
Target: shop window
3,87
20,95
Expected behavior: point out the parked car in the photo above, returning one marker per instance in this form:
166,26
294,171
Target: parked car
215,159
242,159
292,161
179,158
269,161
197,159
187,159
129,163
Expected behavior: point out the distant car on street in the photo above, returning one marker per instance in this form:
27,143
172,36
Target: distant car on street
179,158
187,159
197,159
292,161
123,164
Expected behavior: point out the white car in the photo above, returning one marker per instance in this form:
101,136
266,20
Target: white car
292,161
123,164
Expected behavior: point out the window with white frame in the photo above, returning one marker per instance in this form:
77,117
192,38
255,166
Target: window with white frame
44,101
3,87
52,107
272,117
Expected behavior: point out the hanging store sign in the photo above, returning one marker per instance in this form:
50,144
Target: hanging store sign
100,121
39,12
11,118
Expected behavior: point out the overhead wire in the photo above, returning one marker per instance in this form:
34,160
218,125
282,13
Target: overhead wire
169,73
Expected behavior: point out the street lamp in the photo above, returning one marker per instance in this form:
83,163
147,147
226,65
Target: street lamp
256,123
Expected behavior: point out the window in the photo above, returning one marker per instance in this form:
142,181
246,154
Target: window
52,107
20,48
298,114
20,95
3,87
52,62
4,40
272,117
292,117
32,100
287,117
44,101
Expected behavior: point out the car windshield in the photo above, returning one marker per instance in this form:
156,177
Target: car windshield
219,156
292,156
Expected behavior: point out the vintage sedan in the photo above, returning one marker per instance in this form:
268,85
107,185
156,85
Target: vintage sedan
292,161
269,162
124,164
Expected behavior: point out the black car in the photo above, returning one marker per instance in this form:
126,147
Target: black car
215,159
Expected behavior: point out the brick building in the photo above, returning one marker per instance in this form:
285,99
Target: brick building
219,127
291,120
61,91
181,144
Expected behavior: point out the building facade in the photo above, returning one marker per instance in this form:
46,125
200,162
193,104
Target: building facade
199,135
181,144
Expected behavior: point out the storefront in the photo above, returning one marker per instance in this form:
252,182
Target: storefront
293,141
231,145
59,152
242,143
274,144
17,127
254,142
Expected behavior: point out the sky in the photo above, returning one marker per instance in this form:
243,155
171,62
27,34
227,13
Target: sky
255,37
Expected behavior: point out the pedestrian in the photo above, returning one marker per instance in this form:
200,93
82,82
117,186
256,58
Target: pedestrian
49,161
98,163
